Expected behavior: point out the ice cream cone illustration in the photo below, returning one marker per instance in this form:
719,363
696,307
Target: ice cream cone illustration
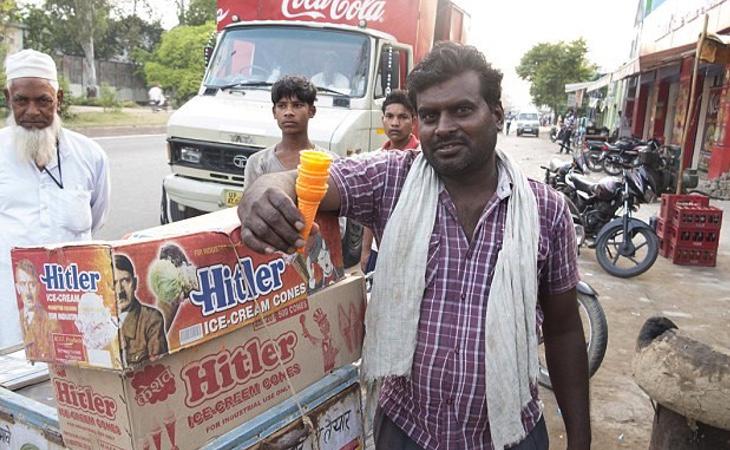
311,186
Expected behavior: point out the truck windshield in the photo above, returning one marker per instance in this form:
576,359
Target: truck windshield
336,61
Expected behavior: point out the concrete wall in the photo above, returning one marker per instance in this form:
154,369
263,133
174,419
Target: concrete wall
121,76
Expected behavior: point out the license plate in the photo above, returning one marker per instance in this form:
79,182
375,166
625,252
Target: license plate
231,197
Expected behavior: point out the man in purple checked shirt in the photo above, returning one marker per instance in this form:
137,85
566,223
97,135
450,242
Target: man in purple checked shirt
440,401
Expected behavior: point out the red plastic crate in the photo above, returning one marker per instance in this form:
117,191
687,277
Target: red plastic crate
692,237
693,216
664,247
692,256
670,200
661,228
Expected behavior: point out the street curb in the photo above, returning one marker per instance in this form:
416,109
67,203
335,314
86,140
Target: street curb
120,130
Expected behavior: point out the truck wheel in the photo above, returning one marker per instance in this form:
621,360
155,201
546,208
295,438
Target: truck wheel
352,244
164,214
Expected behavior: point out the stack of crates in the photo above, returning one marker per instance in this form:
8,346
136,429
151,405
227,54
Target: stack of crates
689,229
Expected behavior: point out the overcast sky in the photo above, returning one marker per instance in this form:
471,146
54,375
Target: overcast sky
505,30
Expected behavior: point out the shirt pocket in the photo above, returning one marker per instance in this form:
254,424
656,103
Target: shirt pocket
71,209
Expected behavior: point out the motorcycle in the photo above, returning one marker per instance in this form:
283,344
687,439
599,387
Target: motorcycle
555,133
625,246
555,175
557,169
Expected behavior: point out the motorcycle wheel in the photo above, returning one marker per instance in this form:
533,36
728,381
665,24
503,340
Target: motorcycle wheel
621,264
352,244
593,161
612,166
595,330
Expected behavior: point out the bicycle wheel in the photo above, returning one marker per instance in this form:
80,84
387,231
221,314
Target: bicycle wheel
595,330
627,256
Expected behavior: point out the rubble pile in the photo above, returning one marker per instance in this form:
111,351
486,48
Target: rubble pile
716,188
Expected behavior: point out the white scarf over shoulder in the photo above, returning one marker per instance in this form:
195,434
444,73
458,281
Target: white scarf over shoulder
392,316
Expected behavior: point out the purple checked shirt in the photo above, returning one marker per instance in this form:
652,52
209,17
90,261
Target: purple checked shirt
443,404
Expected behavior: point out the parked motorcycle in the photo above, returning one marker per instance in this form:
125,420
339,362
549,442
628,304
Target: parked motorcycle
625,246
555,133
557,169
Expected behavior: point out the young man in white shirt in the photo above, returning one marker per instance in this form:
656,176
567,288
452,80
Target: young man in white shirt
54,183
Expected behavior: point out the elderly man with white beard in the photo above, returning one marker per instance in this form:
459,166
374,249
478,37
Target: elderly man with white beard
54,183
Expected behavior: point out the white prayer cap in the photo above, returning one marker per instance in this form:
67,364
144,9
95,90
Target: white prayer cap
31,64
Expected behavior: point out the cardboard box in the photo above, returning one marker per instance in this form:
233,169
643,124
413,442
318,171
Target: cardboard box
202,392
338,424
116,305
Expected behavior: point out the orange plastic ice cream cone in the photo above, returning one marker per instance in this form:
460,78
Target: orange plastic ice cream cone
311,186
308,210
314,160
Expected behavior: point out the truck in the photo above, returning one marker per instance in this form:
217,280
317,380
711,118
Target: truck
372,44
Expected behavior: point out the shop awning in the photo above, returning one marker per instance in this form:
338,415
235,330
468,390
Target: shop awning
589,86
716,49
627,69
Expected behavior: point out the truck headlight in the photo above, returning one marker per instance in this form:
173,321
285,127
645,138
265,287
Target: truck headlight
190,154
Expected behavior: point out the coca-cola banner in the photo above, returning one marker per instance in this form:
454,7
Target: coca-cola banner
400,18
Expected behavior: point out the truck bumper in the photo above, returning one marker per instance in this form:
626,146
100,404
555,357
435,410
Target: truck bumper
196,194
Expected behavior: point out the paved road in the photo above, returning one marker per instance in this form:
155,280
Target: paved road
138,164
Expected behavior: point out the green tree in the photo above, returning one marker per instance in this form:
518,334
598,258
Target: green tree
126,35
550,66
177,64
200,12
87,21
8,12
46,33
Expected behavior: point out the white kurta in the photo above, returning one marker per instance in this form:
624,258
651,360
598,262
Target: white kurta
35,211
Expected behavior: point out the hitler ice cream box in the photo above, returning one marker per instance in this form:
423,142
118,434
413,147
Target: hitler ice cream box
189,398
115,305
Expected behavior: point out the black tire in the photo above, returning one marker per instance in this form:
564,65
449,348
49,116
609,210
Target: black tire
352,244
608,255
593,161
612,166
164,214
595,327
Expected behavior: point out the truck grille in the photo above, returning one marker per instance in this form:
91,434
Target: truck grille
214,156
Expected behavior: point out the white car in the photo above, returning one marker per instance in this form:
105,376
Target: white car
528,123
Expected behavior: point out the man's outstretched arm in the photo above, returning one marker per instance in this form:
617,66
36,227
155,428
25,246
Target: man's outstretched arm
269,217
567,361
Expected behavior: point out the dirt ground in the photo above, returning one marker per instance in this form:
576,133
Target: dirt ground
696,299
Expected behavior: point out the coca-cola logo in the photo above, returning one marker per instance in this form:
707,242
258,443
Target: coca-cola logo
368,10
153,384
220,15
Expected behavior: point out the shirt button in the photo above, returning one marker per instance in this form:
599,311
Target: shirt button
448,401
463,296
